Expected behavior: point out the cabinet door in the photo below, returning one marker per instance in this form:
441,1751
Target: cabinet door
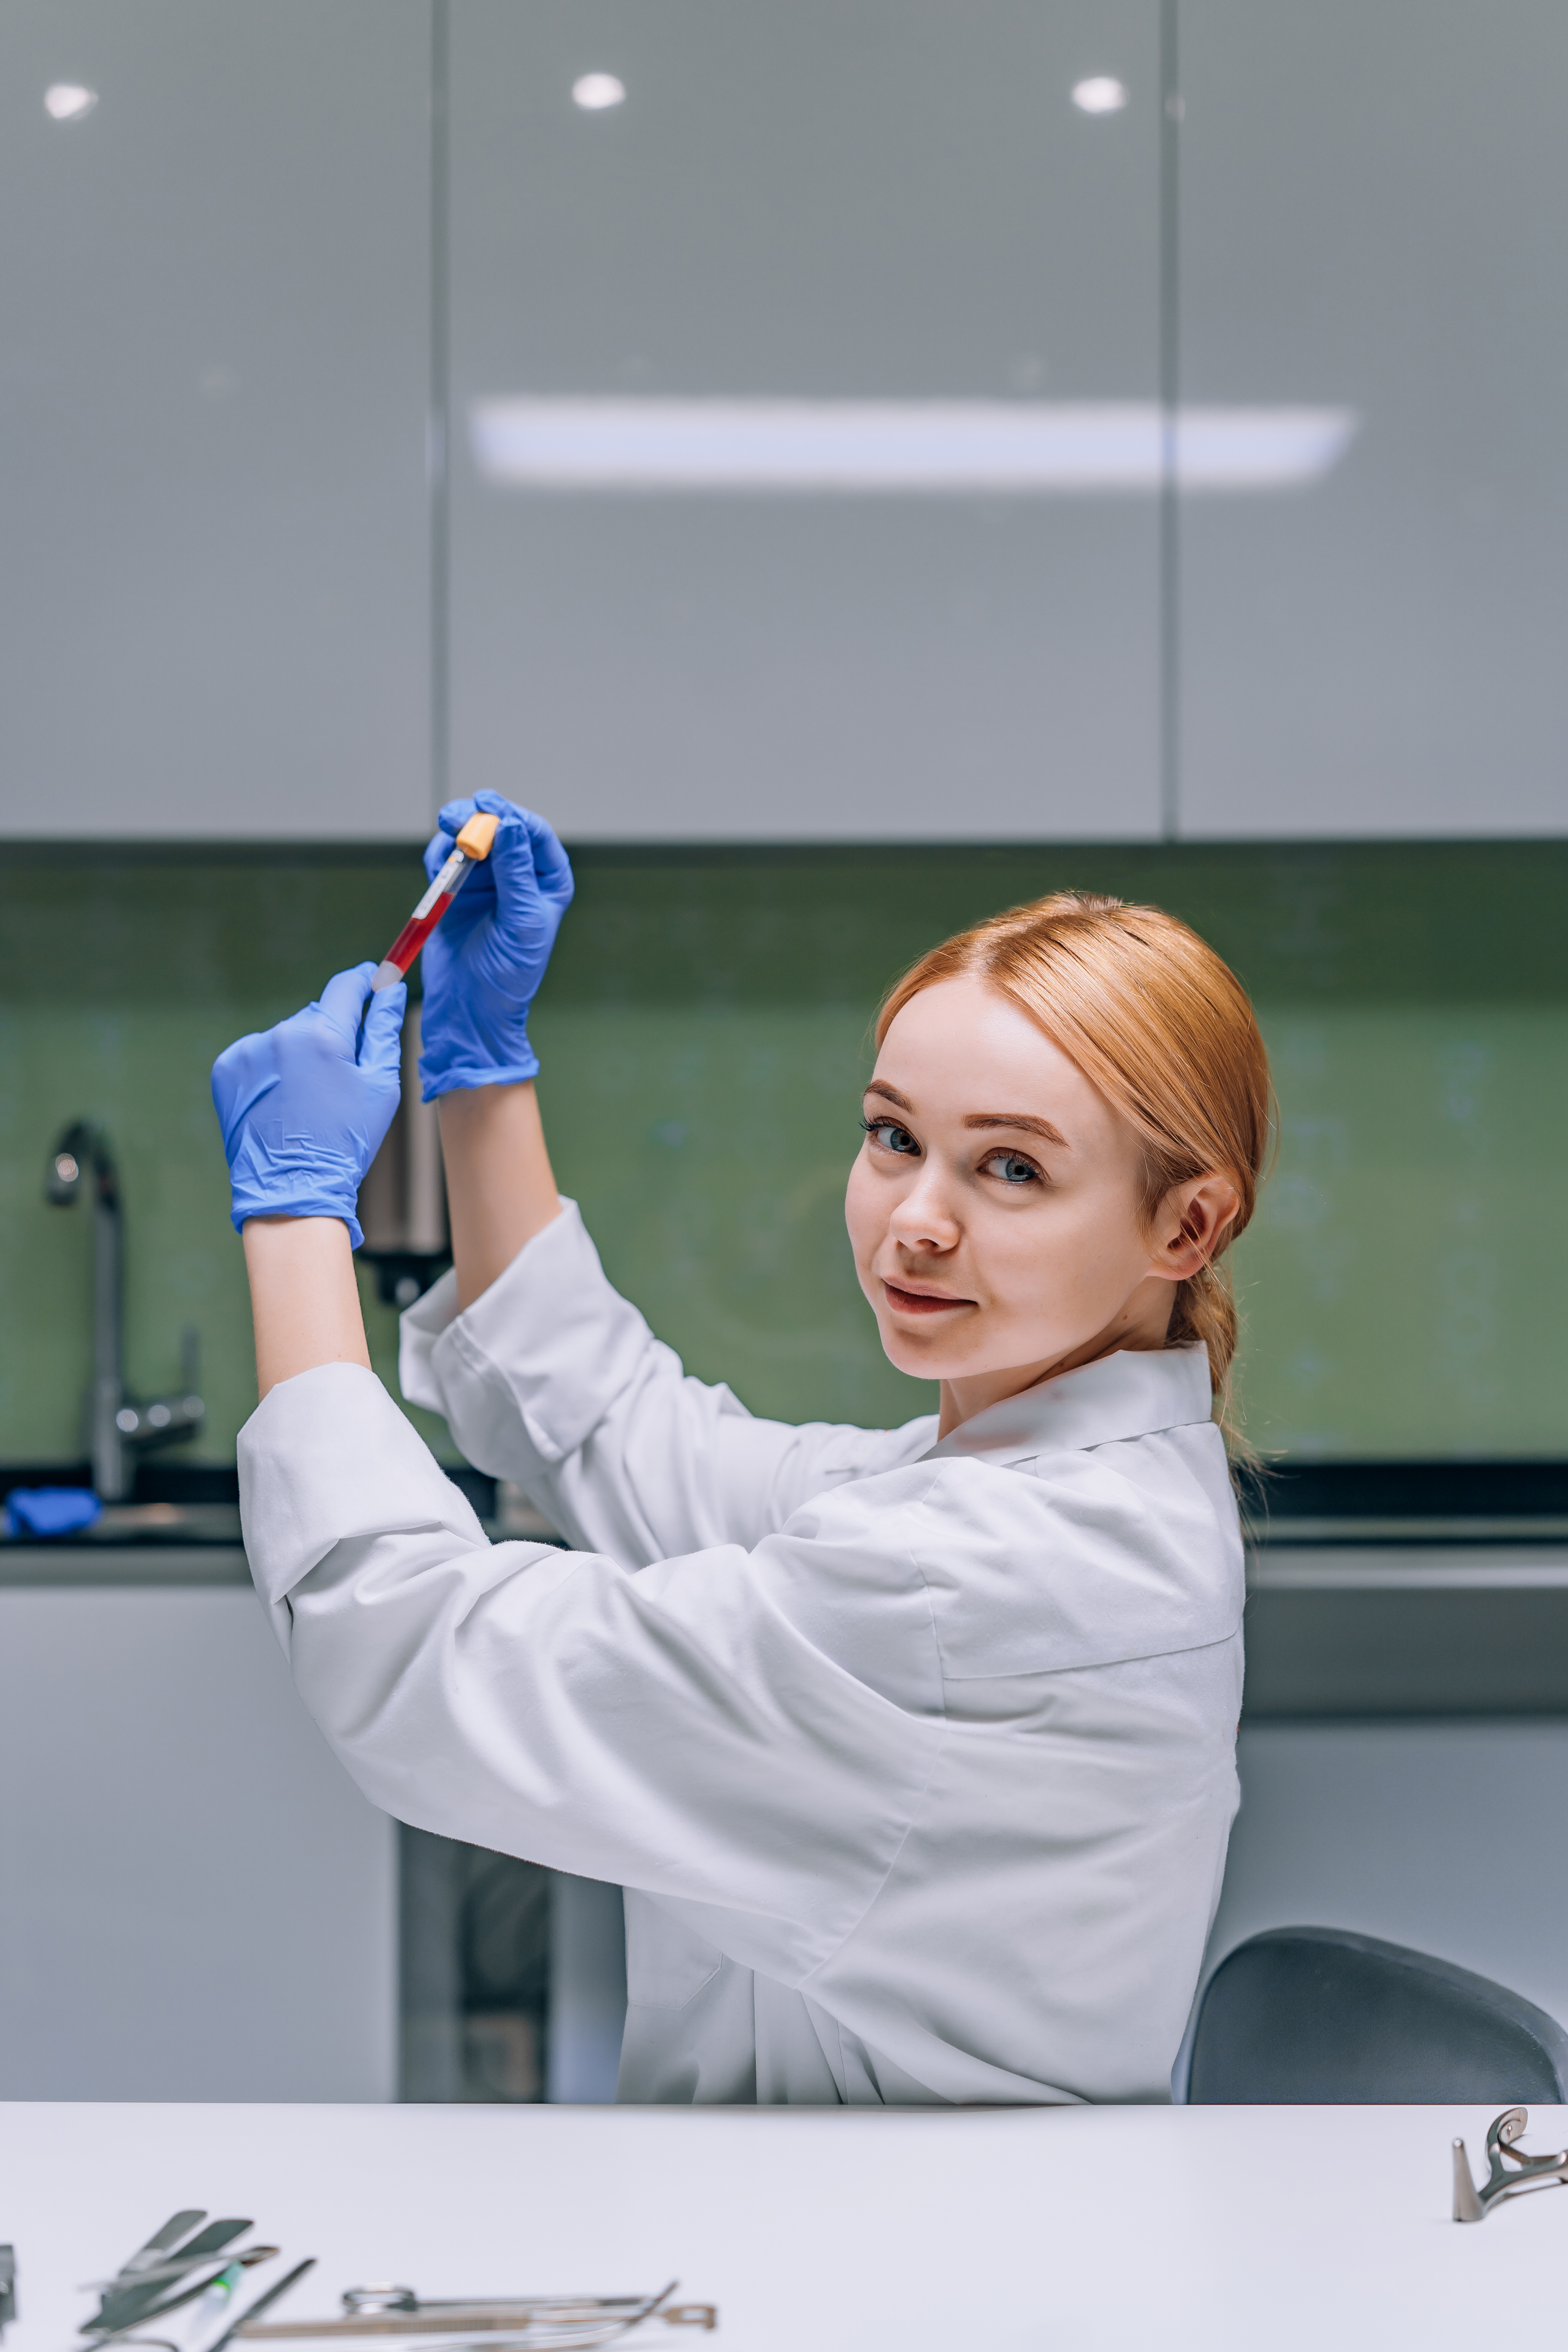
198,1902
701,588
214,389
1372,211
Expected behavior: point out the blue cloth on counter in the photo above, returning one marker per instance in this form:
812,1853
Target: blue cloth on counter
50,1511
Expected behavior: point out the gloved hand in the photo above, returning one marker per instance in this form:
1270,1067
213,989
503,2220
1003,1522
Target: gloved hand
302,1112
484,961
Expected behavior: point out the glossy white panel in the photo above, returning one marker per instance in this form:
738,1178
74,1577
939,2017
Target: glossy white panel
1373,209
214,598
859,623
198,1903
1436,1835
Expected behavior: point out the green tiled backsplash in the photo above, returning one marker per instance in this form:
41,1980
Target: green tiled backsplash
703,1034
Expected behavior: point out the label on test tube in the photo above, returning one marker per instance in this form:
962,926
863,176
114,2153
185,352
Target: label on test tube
422,921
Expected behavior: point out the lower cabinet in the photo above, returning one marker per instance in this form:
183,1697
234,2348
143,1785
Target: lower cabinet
1442,1834
198,1903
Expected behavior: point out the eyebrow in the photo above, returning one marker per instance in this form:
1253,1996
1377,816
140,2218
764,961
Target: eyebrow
1015,1119
1041,1127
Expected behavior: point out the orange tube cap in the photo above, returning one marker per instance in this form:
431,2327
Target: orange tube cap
477,836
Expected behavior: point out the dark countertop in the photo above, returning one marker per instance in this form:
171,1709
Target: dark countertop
175,1504
131,1526
180,1527
1362,1504
1373,1589
58,1566
1392,1588
1291,1497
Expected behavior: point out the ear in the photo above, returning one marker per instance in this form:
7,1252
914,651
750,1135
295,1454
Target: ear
1191,1225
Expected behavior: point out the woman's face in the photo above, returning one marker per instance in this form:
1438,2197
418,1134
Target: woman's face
993,1208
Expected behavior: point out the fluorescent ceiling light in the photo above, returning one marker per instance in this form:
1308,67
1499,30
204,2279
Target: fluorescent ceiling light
594,91
67,102
914,446
1100,94
1259,448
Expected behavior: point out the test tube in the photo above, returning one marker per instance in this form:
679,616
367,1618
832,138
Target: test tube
473,843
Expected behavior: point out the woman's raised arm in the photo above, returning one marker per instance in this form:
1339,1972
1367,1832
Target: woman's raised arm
482,970
500,1190
303,1108
304,1300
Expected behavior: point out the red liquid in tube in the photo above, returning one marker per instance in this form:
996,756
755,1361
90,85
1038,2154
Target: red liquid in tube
415,933
474,844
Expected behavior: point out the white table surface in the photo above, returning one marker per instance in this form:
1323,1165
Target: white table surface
1089,2227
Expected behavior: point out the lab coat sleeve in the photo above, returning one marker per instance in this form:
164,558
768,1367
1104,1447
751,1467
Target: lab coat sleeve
670,1730
553,1381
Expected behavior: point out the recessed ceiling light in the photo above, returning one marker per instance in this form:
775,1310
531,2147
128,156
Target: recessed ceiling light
958,447
594,91
1100,94
67,102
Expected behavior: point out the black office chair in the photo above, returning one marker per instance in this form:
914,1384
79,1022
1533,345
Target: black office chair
1317,2017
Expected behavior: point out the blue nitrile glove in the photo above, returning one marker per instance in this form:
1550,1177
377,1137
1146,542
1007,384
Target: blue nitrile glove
302,1112
485,960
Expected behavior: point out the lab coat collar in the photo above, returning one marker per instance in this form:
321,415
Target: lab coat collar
1129,1394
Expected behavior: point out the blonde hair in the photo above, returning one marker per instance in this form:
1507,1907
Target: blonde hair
1165,1031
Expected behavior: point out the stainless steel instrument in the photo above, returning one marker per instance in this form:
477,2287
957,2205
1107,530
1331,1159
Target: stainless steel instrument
182,2259
137,2292
177,2264
540,2322
1509,2171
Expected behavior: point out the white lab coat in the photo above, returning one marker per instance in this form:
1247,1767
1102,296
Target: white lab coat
916,1759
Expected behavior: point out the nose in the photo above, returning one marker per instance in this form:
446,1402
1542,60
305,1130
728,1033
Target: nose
924,1217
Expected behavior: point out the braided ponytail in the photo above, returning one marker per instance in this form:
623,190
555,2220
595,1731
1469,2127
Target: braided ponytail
1205,1309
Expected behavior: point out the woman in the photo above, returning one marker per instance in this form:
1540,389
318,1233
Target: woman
913,1749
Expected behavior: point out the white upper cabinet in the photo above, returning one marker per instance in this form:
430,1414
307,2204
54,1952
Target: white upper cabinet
1375,230
805,453
214,392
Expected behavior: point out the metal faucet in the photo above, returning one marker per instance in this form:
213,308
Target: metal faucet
117,1427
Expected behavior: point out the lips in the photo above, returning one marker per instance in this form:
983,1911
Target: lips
921,1302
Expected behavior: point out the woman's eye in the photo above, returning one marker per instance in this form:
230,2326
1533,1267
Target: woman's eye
889,1136
1012,1168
